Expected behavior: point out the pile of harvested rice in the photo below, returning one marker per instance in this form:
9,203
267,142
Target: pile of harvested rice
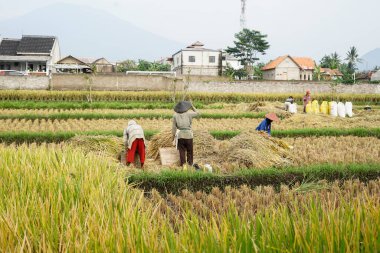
276,107
204,145
250,149
109,146
254,149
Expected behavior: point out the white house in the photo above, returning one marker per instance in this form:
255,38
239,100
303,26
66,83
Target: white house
30,53
197,60
376,76
289,68
231,61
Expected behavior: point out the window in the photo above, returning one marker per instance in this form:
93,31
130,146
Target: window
16,64
191,58
300,77
211,59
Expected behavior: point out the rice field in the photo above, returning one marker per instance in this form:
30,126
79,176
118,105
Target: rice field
323,195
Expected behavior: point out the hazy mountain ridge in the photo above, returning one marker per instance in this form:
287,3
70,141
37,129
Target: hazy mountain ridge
90,32
370,60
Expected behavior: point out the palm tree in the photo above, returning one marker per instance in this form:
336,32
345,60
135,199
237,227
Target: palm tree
352,58
335,61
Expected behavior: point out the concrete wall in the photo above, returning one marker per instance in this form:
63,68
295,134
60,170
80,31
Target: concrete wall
281,87
24,82
158,83
113,82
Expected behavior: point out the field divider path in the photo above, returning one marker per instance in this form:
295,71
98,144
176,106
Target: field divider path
54,137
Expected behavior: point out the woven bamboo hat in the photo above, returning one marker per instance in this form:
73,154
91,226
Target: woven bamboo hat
182,106
272,116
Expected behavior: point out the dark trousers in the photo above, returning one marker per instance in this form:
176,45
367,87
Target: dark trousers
185,146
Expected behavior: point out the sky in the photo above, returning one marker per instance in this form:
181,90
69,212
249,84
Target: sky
295,27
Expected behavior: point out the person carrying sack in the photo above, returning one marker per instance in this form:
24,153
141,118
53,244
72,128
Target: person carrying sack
134,140
182,132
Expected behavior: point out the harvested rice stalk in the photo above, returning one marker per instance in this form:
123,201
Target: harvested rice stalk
110,146
256,150
204,145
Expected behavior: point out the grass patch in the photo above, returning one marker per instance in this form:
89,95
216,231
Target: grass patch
19,104
55,137
90,116
176,181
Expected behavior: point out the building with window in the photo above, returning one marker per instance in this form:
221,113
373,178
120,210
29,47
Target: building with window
34,54
289,68
197,60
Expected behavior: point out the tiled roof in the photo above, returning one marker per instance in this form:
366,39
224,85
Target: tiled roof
304,63
36,44
196,44
273,64
9,46
331,72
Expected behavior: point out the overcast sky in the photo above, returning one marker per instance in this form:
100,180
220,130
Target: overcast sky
295,27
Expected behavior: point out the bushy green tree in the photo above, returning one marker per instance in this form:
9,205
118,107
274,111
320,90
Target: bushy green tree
331,61
247,46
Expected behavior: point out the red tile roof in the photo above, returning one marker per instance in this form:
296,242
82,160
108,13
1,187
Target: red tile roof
304,63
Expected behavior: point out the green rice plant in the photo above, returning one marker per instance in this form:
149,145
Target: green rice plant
55,137
149,115
176,181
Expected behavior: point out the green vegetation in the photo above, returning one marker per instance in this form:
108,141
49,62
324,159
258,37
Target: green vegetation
56,137
176,181
88,116
17,104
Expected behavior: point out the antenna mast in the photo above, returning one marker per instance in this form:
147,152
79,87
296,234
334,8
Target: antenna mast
242,15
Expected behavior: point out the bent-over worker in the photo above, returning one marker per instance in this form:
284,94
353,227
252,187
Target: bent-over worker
134,140
182,132
266,124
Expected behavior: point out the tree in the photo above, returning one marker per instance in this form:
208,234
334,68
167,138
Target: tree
248,44
317,73
127,65
331,61
352,57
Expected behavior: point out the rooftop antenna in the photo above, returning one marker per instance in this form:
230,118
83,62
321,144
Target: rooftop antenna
242,14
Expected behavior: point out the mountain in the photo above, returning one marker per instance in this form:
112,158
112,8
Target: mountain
88,32
370,60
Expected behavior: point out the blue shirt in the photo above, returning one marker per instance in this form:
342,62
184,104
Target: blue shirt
265,125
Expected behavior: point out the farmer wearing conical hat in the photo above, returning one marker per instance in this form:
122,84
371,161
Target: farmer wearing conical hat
266,124
134,140
182,132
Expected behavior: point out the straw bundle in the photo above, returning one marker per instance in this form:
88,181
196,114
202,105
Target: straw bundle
276,107
256,150
204,144
109,146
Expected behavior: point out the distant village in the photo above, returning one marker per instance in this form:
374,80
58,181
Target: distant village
40,55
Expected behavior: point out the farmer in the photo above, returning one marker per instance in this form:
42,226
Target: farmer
306,100
134,141
266,124
181,130
288,102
